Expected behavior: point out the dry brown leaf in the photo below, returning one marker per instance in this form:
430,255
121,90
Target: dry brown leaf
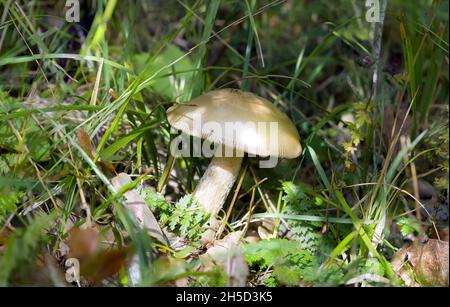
84,141
83,244
442,233
252,236
237,270
426,262
137,206
223,246
105,264
266,229
96,262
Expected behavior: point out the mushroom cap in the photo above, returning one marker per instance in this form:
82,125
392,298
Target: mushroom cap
239,120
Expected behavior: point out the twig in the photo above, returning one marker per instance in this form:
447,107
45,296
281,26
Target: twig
233,201
376,44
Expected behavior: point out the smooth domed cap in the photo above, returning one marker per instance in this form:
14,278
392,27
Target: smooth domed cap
240,120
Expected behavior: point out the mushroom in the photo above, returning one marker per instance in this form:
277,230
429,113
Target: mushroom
239,122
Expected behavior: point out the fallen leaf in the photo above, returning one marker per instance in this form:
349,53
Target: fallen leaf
221,247
265,231
105,264
84,141
83,244
237,270
97,260
252,237
425,262
138,207
441,234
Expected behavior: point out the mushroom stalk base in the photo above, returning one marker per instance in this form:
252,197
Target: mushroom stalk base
213,188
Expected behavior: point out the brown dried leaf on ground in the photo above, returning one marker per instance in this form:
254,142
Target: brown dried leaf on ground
97,259
440,233
426,263
106,264
265,231
83,244
84,141
138,207
223,246
237,270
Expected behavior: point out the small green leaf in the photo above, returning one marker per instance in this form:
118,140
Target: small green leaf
408,226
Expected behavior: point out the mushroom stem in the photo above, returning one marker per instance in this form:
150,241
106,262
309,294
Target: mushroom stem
213,188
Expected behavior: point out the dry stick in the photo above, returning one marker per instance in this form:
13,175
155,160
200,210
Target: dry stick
376,44
233,201
252,187
375,78
377,50
84,204
391,146
97,84
415,184
250,211
65,72
431,171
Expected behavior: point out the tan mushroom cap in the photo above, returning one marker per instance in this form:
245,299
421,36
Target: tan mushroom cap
240,120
